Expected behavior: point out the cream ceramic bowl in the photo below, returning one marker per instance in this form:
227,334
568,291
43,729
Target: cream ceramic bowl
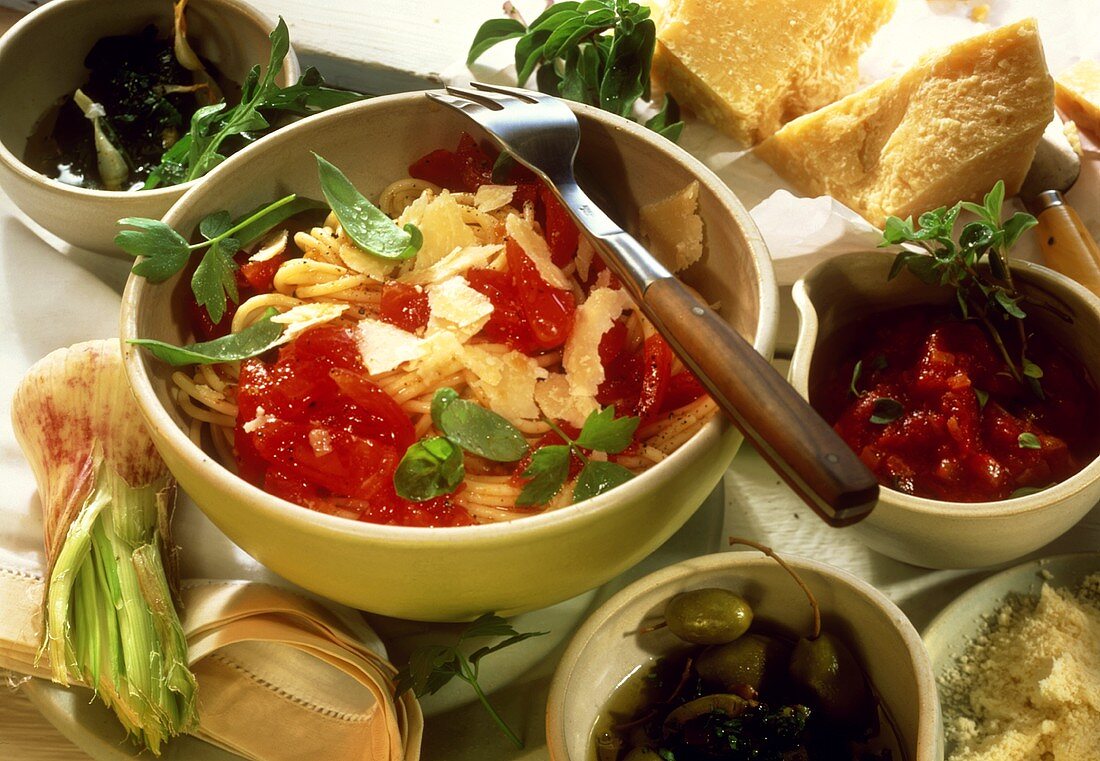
607,649
453,573
42,59
927,532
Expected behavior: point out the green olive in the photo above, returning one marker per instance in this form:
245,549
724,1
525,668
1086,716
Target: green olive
754,660
708,616
829,673
641,753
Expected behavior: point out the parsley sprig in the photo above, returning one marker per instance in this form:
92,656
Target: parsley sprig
987,294
200,149
430,667
597,52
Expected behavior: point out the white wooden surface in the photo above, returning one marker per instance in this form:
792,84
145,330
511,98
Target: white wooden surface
391,45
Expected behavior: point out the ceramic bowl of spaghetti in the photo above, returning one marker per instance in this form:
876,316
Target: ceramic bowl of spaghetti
431,400
48,147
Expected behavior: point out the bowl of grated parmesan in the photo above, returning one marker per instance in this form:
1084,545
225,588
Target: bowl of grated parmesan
1017,663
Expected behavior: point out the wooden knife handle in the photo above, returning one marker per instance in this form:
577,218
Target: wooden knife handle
1068,247
780,424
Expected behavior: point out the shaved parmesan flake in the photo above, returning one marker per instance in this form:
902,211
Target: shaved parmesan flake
506,381
456,306
534,245
384,346
455,263
585,254
358,260
441,223
557,401
594,317
492,197
442,352
272,247
305,316
603,280
258,422
673,229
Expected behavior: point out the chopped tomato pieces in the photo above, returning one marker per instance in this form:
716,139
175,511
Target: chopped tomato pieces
561,232
549,310
405,306
656,371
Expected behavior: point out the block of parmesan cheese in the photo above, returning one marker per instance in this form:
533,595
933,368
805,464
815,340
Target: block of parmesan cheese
749,66
1077,93
947,129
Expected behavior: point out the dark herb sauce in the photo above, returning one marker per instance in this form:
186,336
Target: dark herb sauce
128,75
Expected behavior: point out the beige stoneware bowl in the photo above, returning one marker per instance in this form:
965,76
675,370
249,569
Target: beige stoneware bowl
453,573
607,648
927,532
42,59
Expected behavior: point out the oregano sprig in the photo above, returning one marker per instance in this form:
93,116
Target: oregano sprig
597,52
433,666
987,294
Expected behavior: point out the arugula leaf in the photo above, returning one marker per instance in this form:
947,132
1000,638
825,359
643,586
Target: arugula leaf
430,468
307,96
548,470
603,432
886,410
250,342
433,666
476,429
597,477
364,222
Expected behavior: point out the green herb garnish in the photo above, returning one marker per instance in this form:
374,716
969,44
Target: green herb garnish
165,252
430,667
549,467
430,468
983,398
200,149
886,410
856,372
988,296
1029,441
250,342
364,222
597,52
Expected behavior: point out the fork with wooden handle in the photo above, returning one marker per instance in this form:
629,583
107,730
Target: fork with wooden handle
542,133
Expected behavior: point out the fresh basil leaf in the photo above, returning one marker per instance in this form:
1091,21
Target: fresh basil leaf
215,224
997,265
983,398
626,77
898,230
976,209
480,431
430,468
856,372
1017,225
1009,304
667,121
603,432
165,251
250,342
548,470
364,222
977,235
440,400
1032,370
886,410
1029,441
548,80
493,32
214,278
554,15
598,477
529,54
566,35
993,201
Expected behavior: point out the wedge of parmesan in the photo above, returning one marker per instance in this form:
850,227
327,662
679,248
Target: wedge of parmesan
673,229
441,223
457,307
1077,93
492,197
384,347
581,358
534,245
505,381
305,316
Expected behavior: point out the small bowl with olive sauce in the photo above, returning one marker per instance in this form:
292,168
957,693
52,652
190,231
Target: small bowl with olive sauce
94,92
976,467
735,654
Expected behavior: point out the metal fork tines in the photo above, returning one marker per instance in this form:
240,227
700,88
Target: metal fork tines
542,133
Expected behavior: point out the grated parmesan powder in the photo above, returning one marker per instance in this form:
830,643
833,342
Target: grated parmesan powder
1028,687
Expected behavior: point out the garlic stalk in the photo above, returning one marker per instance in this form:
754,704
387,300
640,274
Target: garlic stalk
109,614
112,164
190,60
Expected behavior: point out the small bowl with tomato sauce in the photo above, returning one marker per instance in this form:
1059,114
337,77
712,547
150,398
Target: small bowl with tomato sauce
450,572
977,466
